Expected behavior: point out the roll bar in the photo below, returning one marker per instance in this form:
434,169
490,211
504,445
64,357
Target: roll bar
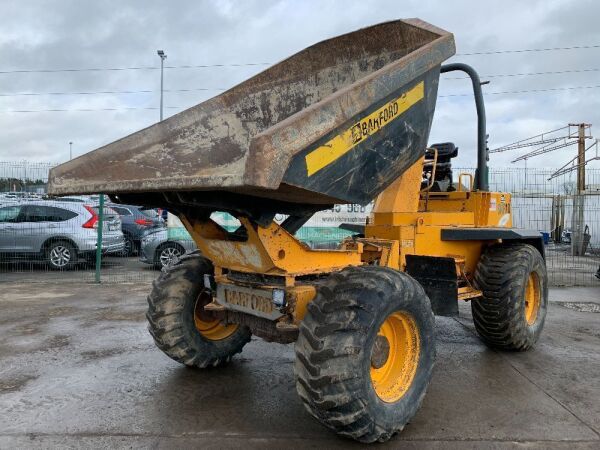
481,174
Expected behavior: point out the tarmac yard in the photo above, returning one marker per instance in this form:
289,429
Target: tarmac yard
78,369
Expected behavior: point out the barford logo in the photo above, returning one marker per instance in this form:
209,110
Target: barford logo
371,125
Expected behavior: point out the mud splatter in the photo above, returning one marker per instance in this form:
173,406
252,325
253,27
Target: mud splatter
14,384
94,355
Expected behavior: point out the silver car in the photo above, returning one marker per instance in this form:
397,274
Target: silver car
59,233
161,251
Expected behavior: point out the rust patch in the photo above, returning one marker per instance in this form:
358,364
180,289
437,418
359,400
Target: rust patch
228,152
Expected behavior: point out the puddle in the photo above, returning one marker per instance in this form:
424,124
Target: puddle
40,296
99,354
587,307
14,384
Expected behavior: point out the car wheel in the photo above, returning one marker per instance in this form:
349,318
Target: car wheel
168,254
61,255
129,248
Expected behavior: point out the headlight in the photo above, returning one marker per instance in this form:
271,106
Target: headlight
149,238
279,298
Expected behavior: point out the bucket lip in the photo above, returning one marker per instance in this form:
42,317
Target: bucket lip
275,147
264,143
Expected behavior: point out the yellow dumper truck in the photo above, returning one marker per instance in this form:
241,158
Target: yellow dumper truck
344,121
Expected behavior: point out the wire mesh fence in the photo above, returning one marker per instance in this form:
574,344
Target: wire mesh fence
44,239
555,208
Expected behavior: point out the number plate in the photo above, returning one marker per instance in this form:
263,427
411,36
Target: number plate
113,227
256,302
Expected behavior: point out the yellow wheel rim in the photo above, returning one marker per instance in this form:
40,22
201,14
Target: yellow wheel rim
207,326
533,298
395,356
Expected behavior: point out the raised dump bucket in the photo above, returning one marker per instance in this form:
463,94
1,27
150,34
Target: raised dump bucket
334,123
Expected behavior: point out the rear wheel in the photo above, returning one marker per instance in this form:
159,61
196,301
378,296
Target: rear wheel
512,311
61,255
129,248
177,320
365,352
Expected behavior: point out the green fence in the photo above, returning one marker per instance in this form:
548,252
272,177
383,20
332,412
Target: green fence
537,203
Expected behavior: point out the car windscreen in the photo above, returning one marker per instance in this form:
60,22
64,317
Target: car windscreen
149,212
107,212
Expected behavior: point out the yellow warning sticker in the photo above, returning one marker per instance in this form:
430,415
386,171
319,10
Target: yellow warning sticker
342,143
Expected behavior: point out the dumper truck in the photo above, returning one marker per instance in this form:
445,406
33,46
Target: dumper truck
345,121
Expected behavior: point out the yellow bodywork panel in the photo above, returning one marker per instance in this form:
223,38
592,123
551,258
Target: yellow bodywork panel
489,209
406,220
426,240
403,194
267,250
302,296
415,219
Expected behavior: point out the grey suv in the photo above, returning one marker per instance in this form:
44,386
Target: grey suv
59,233
135,221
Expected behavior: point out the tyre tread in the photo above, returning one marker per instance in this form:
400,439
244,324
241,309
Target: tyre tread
498,315
328,380
166,304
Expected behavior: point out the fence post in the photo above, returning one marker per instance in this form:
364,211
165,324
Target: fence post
578,225
99,239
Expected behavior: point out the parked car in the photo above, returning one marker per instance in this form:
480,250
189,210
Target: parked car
135,221
157,249
74,198
59,233
19,196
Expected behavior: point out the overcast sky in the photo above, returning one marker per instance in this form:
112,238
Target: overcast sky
81,34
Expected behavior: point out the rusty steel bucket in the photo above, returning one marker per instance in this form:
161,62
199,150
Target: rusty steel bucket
335,123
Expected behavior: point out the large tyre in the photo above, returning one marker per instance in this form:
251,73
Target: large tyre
61,255
365,352
512,311
177,320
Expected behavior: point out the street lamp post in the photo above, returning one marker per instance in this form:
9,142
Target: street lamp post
70,151
162,56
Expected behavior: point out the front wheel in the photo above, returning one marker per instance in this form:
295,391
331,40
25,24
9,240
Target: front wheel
177,320
365,352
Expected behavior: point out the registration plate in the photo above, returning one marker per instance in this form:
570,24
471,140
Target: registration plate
257,302
113,227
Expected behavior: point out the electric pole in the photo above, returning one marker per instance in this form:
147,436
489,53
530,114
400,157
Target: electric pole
581,158
578,220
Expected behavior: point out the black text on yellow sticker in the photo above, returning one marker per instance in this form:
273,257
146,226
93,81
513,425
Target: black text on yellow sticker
361,130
